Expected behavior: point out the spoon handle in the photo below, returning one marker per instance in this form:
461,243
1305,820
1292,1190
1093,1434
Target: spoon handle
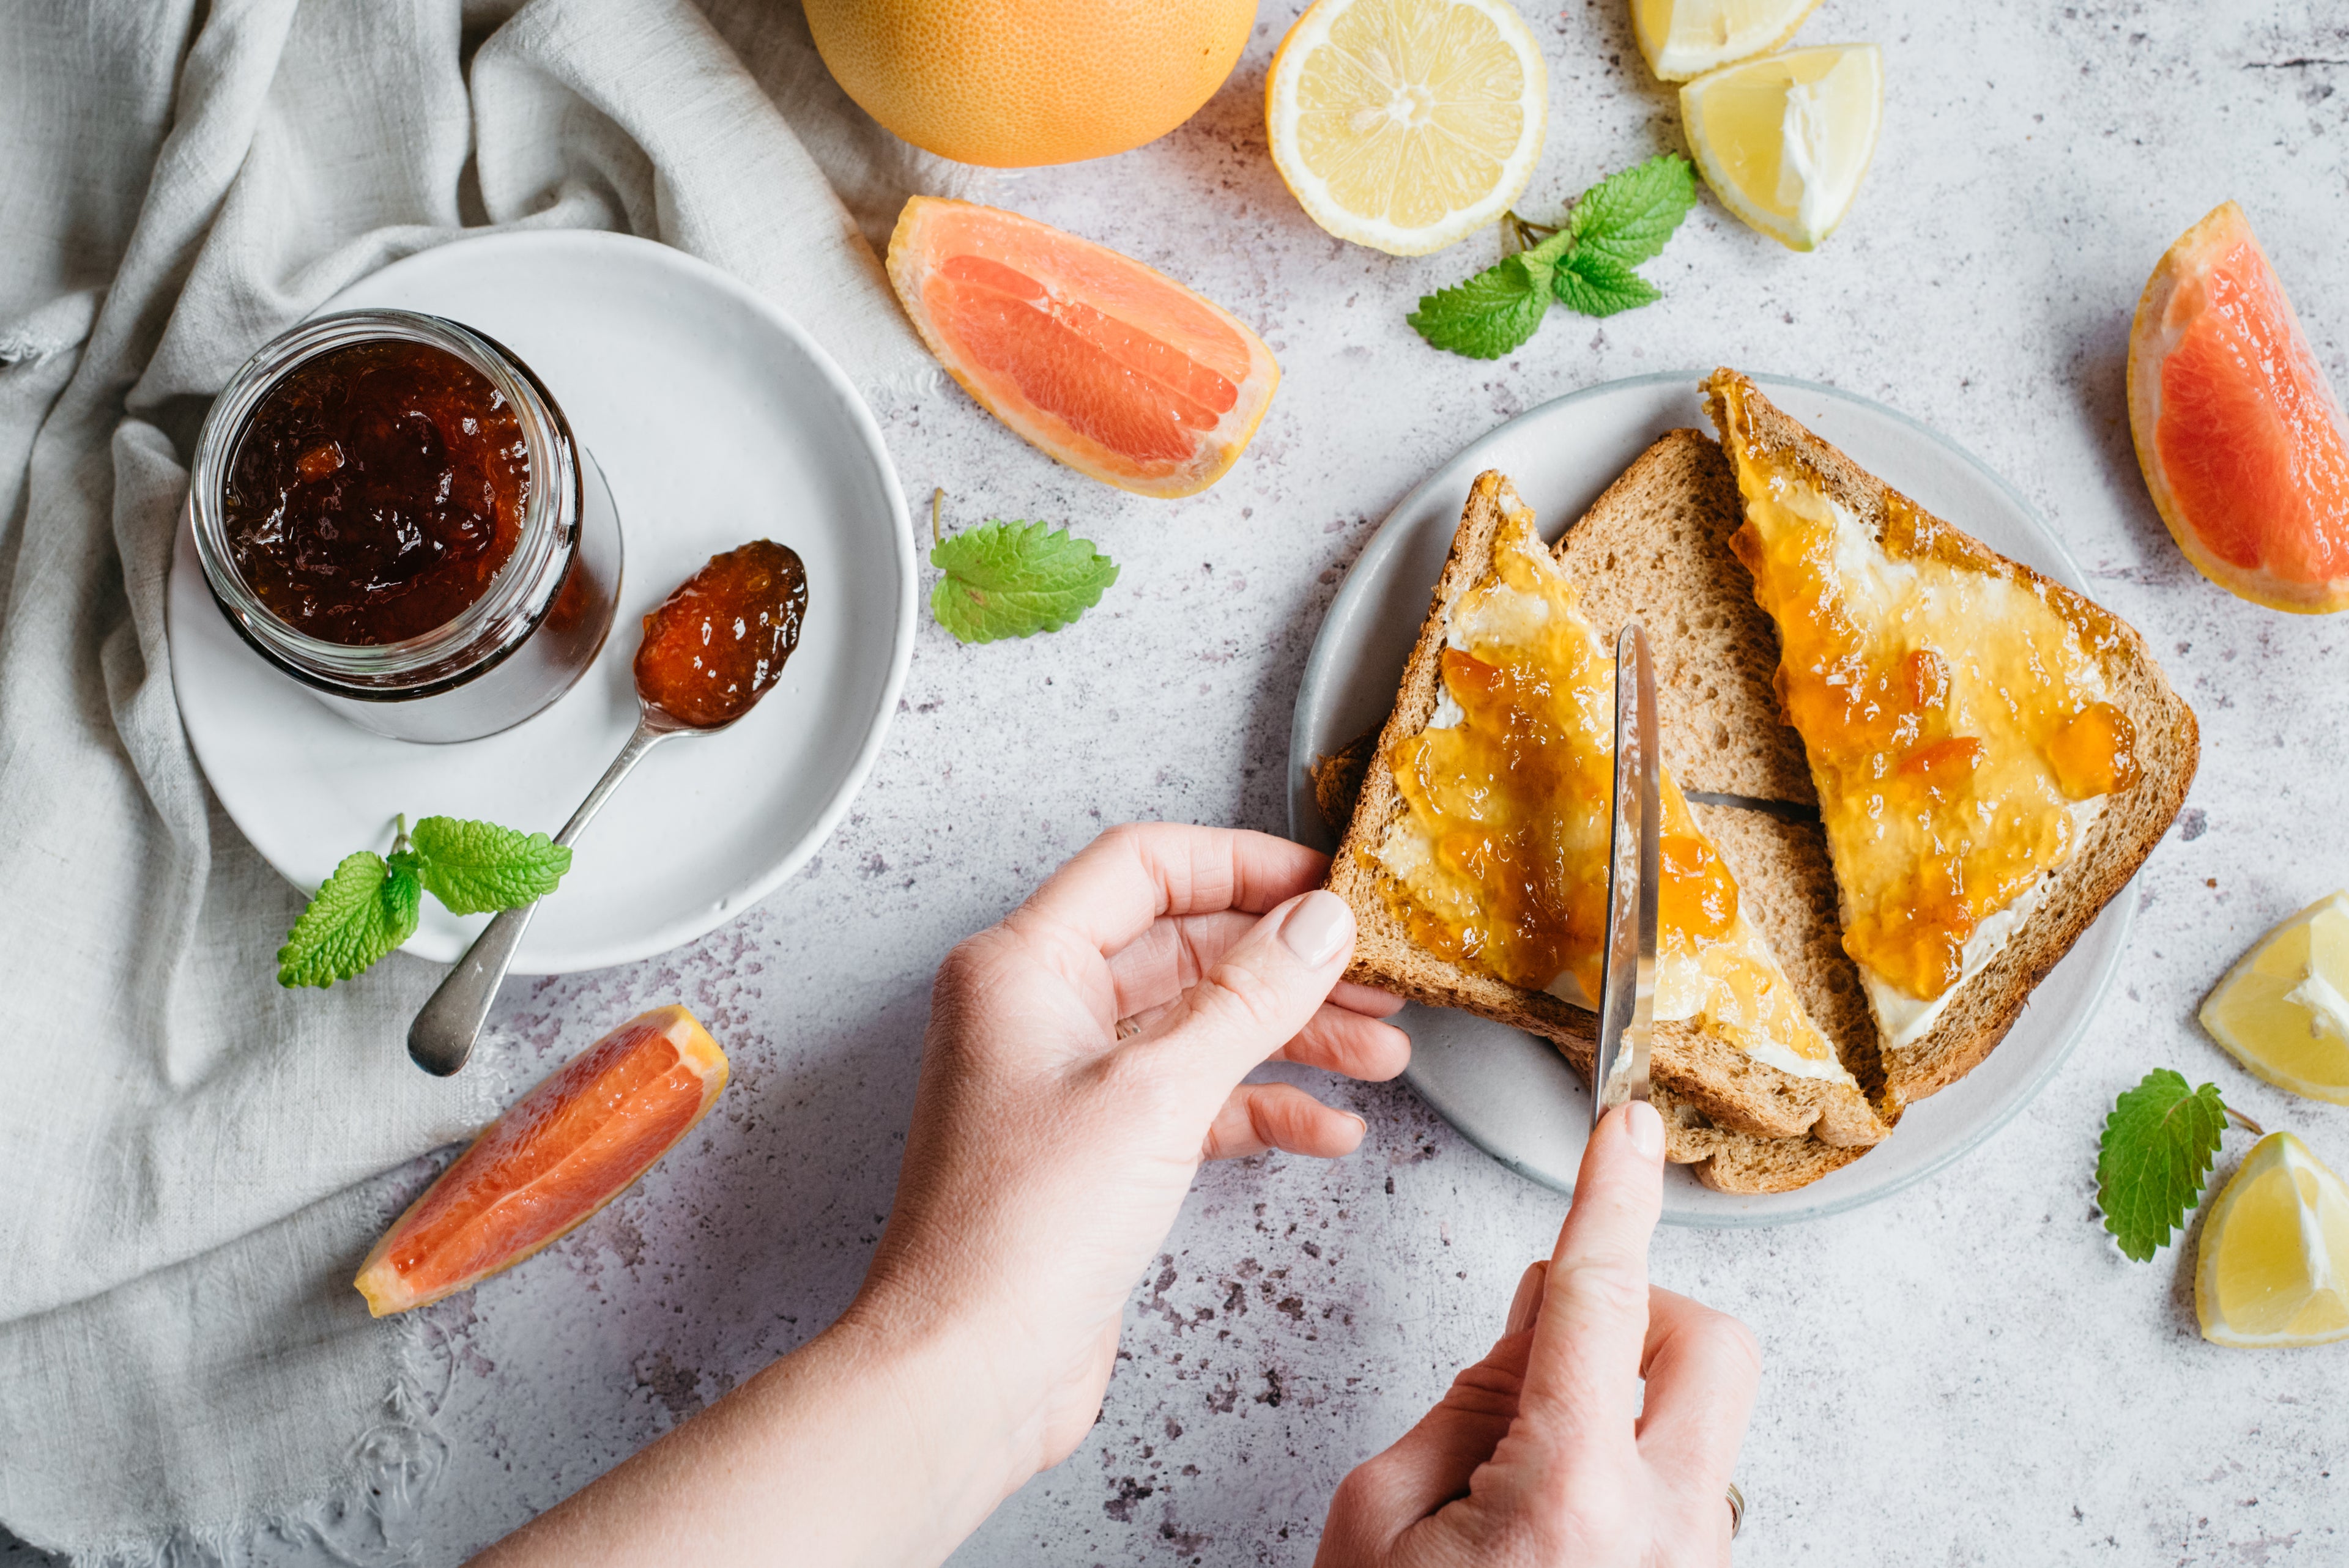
441,1038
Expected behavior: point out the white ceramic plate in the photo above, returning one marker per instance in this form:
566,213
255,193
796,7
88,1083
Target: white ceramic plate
1512,1094
716,420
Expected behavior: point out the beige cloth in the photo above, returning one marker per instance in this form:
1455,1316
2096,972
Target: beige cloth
194,1155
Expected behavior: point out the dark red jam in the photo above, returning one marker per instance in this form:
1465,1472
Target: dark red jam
715,644
376,492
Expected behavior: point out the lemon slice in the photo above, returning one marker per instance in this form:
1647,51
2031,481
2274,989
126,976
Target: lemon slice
1404,125
2283,1008
2269,1271
1784,140
1684,39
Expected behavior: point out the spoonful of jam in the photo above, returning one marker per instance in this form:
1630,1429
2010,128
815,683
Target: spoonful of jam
713,648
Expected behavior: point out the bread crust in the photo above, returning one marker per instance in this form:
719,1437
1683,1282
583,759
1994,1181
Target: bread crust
1743,1125
2168,749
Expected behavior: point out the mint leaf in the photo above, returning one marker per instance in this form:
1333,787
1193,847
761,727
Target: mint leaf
1596,285
475,867
2156,1153
1628,216
1014,579
1492,313
1586,265
362,911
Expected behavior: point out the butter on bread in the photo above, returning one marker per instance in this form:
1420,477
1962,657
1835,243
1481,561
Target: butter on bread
1745,1124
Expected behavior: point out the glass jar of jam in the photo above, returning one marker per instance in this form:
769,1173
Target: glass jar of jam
390,508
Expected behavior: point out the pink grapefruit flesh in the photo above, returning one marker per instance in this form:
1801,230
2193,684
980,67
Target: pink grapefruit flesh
2242,442
1109,366
558,1154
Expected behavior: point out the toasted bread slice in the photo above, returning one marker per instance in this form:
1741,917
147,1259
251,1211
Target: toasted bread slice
1780,861
1656,548
1715,1092
1982,1006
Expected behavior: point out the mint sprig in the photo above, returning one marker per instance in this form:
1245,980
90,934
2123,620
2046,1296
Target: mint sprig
2154,1157
1585,263
371,904
1016,579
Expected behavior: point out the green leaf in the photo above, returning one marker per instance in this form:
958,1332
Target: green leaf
1494,312
1597,285
1586,265
475,867
2156,1153
362,911
1014,579
1628,216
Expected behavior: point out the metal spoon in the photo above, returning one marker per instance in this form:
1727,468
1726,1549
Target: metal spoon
756,595
442,1036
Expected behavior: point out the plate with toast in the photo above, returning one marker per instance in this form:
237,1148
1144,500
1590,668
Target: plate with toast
1909,769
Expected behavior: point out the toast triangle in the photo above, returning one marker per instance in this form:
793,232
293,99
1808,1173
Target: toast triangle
1985,1006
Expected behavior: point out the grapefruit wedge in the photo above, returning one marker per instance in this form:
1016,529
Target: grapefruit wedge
1113,368
2239,435
558,1154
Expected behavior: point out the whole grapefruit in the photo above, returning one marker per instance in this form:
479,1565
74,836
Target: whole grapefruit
2243,444
1013,83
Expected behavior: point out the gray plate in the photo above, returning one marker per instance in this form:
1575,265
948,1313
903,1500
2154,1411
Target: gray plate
1513,1095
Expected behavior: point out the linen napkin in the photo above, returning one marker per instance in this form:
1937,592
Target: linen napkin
192,1150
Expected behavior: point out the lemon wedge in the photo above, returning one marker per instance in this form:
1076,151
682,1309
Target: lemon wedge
1404,125
1784,140
1684,39
2283,1008
2273,1249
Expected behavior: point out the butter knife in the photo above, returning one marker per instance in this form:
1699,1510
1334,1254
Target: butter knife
1626,989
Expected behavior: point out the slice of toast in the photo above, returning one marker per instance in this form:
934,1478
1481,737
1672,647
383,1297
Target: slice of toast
1722,1104
1656,547
1780,861
1985,1005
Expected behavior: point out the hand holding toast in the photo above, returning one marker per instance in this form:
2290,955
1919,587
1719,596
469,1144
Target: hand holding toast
1083,1058
1544,1455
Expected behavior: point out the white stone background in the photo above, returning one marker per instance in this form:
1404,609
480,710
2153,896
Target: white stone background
1967,1372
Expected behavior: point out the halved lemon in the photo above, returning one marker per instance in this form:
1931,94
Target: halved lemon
2273,1252
2283,1008
1784,140
1684,39
1405,125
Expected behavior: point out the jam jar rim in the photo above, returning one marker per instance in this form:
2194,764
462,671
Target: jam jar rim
518,597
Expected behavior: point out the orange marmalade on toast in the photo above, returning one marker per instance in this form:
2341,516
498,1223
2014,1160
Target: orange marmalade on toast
1500,860
1954,710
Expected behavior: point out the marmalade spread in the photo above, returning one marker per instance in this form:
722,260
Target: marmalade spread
1953,708
1501,860
376,492
715,644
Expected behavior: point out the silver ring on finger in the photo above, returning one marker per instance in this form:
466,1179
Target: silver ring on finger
1736,1510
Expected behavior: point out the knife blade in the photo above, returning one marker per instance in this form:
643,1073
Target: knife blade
1626,987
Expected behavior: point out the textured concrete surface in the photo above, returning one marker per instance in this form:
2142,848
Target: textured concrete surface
1968,1372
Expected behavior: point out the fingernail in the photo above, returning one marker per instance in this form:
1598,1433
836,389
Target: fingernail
1526,1305
1646,1128
1316,927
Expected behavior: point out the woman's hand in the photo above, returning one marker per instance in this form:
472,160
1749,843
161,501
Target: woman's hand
1082,1058
1543,1455
1048,1155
